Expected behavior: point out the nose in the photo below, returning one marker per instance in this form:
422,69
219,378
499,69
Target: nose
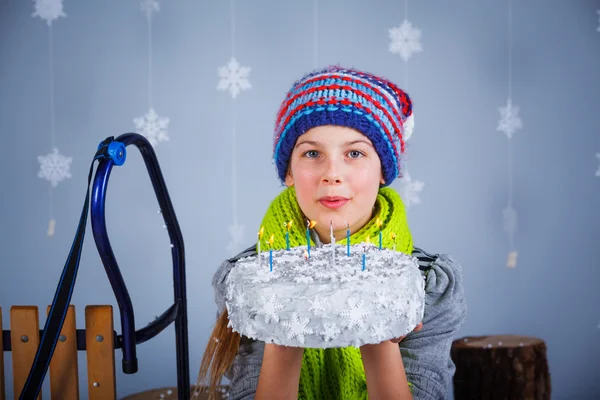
332,174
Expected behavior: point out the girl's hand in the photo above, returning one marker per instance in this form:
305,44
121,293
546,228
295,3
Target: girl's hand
399,339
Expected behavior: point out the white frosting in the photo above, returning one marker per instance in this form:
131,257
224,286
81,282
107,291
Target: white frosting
317,304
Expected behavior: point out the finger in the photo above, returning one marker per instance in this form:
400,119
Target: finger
418,327
397,340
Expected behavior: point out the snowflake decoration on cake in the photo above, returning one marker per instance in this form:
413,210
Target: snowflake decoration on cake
249,331
329,332
316,305
380,299
297,328
236,236
48,10
54,167
149,6
405,40
598,170
509,121
378,331
153,127
509,216
234,78
240,300
270,308
355,313
409,190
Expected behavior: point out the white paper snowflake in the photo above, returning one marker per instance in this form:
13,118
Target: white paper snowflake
598,170
149,6
153,127
405,40
297,328
355,313
249,331
509,121
54,167
236,237
316,305
409,190
240,300
380,299
378,331
48,10
270,308
330,332
234,78
509,216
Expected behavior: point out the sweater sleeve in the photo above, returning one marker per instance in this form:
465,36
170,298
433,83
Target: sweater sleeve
426,354
245,369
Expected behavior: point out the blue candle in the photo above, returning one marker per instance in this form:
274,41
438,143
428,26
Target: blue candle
308,241
363,261
287,239
379,224
348,239
271,260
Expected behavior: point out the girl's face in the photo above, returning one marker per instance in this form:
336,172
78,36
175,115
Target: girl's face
336,173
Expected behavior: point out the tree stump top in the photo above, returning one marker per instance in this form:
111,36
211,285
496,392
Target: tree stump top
495,341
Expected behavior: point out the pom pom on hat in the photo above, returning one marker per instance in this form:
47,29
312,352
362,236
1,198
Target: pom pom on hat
346,97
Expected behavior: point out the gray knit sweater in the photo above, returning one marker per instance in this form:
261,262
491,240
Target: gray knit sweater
426,354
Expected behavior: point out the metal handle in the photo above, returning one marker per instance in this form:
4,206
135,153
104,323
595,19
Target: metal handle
178,311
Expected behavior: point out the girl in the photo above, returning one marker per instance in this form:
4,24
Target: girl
338,140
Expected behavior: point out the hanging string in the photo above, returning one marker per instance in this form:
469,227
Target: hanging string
233,129
315,34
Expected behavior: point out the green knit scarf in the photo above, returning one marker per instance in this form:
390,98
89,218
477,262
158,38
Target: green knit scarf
336,373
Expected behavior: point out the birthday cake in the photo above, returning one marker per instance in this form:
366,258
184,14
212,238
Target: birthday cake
328,299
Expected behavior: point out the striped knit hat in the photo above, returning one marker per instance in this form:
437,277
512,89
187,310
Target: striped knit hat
346,97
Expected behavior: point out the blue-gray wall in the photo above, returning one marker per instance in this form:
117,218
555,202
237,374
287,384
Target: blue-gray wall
100,64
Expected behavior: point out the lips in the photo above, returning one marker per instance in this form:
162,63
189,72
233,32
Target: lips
333,202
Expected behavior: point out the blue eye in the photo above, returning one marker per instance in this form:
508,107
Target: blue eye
355,154
311,154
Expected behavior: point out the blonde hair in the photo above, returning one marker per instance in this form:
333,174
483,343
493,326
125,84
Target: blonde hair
220,352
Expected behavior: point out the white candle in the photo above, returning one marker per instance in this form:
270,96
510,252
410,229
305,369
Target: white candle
332,243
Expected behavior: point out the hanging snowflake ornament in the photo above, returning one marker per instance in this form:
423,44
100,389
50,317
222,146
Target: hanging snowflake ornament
48,10
153,127
149,6
54,167
598,29
297,328
409,190
509,121
598,170
236,237
234,78
405,40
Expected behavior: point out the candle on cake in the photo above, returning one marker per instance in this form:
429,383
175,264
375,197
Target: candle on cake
271,241
347,239
288,226
260,235
309,226
332,237
393,237
379,223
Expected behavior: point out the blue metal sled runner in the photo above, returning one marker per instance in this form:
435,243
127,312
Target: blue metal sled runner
112,152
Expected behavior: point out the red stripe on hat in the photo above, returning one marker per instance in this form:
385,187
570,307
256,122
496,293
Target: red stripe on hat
332,100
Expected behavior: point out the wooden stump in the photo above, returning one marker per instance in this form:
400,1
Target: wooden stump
503,367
